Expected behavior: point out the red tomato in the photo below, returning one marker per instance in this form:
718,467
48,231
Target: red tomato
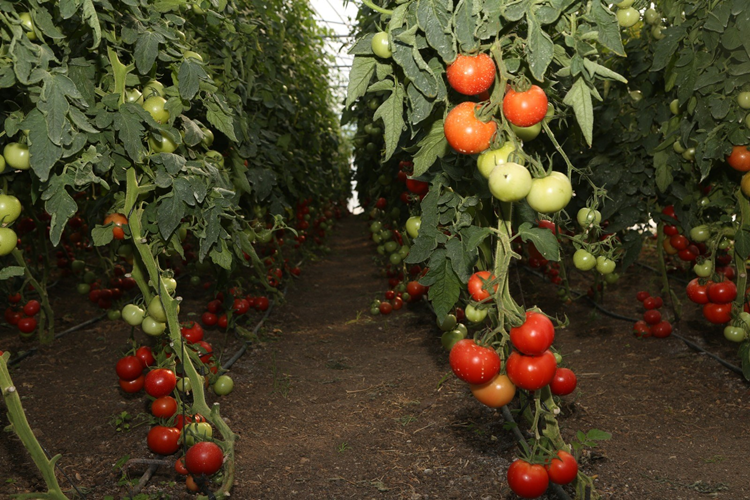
261,303
164,407
527,480
717,314
132,386
471,75
670,230
222,322
206,350
390,295
381,203
739,159
641,296
204,457
476,285
214,306
417,187
26,325
163,440
534,336
652,316
563,468
679,242
696,292
641,329
524,109
129,368
209,318
531,372
192,331
722,293
465,132
240,306
662,329
160,382
31,308
385,308
563,383
179,466
415,289
397,303
15,298
653,303
472,363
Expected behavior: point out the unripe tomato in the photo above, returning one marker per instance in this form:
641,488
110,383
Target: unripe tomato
490,159
381,46
155,106
495,393
510,182
17,156
550,194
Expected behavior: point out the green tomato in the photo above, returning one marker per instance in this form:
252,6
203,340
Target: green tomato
170,284
491,158
395,213
89,277
197,431
208,137
376,238
605,265
724,244
78,266
656,32
195,280
264,236
747,124
627,17
161,143
380,248
558,357
404,251
152,327
8,240
385,235
83,288
376,227
689,154
375,310
550,194
588,217
510,182
189,54
391,246
153,88
651,17
10,208
527,134
475,314
156,310
2,163
743,99
17,156
448,323
215,157
699,234
134,96
223,385
449,339
583,260
155,106
28,25
704,269
395,259
674,106
611,278
184,384
636,95
413,224
734,333
113,314
381,46
678,148
745,317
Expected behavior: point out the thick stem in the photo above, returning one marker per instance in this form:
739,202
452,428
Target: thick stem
377,8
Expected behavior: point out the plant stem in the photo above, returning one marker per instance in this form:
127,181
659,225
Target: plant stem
377,9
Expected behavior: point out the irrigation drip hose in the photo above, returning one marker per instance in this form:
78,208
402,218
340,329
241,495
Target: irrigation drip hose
687,342
671,276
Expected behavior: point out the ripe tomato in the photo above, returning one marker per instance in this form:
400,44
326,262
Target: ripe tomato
385,308
471,75
739,159
145,355
206,351
563,383
527,480
531,372
662,329
550,194
495,393
132,386
641,296
204,457
563,468
26,325
164,407
222,322
31,308
192,331
179,466
525,109
535,335
465,132
679,242
652,316
209,319
653,303
261,303
163,440
641,329
476,285
415,289
472,363
717,314
722,293
129,368
160,382
696,292
417,187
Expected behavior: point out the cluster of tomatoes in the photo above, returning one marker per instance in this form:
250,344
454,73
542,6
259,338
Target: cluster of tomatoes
22,317
716,298
652,323
215,314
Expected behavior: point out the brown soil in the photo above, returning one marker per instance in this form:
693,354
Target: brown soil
335,403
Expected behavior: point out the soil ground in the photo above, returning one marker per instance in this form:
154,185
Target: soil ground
333,403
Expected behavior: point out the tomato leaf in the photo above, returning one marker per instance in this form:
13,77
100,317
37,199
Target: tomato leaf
359,78
435,19
392,114
42,151
445,289
579,98
410,60
146,50
543,239
170,212
666,48
11,272
263,180
420,106
465,21
609,30
92,19
595,68
431,147
222,256
541,48
217,113
189,76
663,172
102,235
461,259
130,130
363,46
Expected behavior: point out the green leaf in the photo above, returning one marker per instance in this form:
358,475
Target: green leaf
363,46
102,235
11,272
420,106
434,18
43,153
663,171
170,212
130,130
43,22
146,50
190,74
392,114
410,60
92,19
466,24
609,29
219,117
742,243
222,257
579,98
597,69
431,147
60,205
597,435
474,236
666,48
263,181
461,260
445,291
543,239
359,78
541,49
